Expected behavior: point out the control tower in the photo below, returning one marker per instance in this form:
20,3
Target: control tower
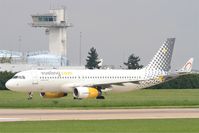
55,25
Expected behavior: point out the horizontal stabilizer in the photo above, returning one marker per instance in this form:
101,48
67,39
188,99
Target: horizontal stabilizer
187,67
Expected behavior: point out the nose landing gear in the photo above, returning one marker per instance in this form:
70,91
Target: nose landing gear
30,95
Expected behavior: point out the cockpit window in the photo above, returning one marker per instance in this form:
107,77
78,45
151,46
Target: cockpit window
15,77
19,77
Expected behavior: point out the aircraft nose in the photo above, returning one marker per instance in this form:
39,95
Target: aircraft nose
9,84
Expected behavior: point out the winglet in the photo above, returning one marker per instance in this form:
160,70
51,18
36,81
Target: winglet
188,66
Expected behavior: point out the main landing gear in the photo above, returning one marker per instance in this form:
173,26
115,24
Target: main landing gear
100,97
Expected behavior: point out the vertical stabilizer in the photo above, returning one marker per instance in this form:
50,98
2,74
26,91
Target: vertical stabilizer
162,59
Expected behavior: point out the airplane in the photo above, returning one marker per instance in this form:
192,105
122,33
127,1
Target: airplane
93,83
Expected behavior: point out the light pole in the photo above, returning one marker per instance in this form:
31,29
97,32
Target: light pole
80,49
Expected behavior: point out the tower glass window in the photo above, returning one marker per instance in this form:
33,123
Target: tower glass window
47,18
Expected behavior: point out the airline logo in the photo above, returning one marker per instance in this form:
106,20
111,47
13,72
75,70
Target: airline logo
55,73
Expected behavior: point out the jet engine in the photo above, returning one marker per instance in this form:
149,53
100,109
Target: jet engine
53,94
87,92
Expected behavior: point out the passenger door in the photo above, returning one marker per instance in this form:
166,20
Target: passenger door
35,81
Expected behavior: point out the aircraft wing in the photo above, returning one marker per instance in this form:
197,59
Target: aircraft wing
104,84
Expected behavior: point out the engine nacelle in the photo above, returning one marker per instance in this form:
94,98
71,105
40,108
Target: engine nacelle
53,94
86,92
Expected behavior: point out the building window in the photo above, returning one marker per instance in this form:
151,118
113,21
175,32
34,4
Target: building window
47,18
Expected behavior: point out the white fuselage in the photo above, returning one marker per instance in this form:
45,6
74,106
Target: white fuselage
67,80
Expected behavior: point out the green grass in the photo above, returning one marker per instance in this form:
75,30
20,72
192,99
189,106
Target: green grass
104,126
135,99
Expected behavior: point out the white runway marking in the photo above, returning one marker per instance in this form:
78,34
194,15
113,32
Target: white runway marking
99,114
9,119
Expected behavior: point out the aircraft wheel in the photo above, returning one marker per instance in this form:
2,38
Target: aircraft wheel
100,97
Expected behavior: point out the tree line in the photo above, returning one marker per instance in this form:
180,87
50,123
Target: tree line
92,61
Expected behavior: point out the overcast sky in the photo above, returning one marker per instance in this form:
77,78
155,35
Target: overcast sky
116,28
